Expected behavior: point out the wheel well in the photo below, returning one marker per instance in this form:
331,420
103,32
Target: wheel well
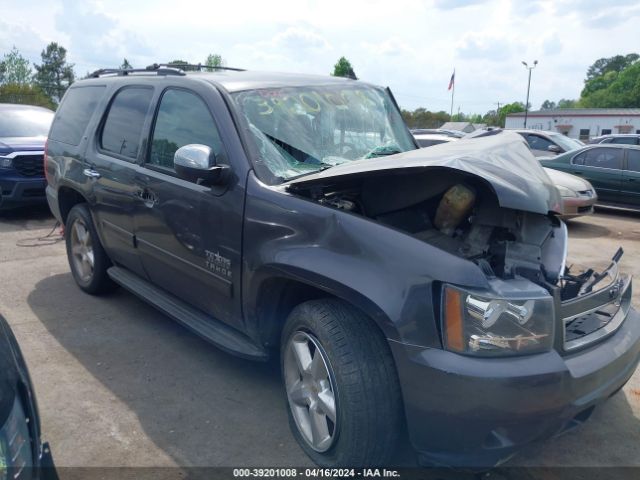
67,199
277,298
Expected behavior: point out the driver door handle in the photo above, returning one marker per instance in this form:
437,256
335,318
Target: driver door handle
147,196
91,173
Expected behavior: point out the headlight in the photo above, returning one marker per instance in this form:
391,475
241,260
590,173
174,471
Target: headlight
5,162
565,192
15,444
479,325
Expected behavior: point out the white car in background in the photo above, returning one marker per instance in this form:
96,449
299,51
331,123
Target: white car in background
578,195
430,139
548,144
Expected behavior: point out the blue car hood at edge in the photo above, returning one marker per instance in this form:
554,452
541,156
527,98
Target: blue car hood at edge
21,144
503,160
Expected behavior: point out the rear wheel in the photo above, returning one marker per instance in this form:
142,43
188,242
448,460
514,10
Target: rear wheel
87,259
341,384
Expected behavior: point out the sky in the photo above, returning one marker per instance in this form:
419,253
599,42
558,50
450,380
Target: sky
409,45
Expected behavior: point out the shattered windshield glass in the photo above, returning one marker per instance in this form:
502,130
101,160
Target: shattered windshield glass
301,130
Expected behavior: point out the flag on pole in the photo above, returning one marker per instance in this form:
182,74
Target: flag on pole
452,81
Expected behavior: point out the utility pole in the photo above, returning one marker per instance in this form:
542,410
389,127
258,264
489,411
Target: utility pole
526,105
452,87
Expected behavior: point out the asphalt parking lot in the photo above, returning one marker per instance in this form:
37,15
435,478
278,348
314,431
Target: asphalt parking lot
119,384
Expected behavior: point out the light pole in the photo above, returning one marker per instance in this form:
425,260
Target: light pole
526,105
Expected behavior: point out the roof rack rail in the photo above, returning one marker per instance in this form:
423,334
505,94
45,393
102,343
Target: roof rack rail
155,68
196,67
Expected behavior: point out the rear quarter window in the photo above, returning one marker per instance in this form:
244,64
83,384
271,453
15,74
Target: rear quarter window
123,126
74,114
633,160
600,157
625,141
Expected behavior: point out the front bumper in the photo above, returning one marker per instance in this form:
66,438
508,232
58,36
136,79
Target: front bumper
477,412
20,191
578,206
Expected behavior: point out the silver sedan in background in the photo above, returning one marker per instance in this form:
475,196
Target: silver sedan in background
578,195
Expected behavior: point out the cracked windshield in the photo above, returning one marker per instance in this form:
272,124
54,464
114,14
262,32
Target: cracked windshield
302,130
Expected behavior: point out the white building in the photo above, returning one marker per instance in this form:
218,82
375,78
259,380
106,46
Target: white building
581,123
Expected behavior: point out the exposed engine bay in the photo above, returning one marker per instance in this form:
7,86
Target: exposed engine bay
459,213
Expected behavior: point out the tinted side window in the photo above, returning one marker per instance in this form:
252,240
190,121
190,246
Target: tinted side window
183,119
579,159
537,142
625,140
123,127
633,160
74,113
604,158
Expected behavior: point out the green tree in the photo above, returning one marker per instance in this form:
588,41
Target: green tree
622,92
25,94
491,118
214,60
604,72
54,74
344,69
548,105
475,118
125,65
616,63
514,107
183,65
422,118
15,69
567,103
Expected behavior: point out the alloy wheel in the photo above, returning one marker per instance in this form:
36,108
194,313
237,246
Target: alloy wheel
311,391
82,250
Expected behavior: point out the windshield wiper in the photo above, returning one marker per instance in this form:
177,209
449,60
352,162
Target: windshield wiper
383,151
323,166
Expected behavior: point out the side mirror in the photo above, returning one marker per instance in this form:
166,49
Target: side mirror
554,149
197,163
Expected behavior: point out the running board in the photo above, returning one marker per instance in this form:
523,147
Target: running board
207,327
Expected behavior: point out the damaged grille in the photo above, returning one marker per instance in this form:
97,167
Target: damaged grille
29,165
594,316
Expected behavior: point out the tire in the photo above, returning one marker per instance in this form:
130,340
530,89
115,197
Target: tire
359,375
87,259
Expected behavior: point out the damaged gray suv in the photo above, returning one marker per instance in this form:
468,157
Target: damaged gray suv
294,215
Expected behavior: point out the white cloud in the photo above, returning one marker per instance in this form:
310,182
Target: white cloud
485,46
453,4
551,44
300,38
410,45
392,47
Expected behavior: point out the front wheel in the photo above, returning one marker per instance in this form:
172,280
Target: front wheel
341,384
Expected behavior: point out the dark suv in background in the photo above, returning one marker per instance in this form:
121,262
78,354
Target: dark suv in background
294,215
23,132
